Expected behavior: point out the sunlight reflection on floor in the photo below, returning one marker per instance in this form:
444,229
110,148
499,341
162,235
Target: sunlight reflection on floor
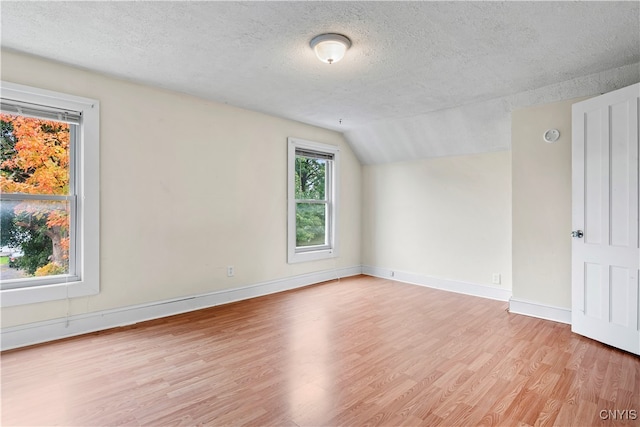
311,365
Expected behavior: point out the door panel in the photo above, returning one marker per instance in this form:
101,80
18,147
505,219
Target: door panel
605,262
621,291
593,290
593,177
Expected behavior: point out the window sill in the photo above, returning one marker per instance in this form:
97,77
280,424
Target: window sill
297,257
36,294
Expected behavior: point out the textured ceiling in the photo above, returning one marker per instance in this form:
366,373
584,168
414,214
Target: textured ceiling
408,59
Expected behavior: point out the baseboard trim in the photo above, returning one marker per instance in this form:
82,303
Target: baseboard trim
466,288
50,330
541,311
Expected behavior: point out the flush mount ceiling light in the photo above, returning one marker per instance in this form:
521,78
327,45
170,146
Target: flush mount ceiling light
330,48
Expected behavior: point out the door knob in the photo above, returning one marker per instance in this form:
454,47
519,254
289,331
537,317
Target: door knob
577,233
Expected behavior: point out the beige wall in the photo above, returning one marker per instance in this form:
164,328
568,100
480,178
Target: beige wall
187,188
542,205
446,217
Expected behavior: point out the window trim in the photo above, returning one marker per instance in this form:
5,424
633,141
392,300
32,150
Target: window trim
294,254
88,197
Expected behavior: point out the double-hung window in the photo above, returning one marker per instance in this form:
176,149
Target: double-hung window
49,195
312,176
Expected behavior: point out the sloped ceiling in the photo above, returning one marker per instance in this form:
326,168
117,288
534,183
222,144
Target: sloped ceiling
418,72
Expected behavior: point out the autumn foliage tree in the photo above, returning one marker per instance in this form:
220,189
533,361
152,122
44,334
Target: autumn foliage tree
34,159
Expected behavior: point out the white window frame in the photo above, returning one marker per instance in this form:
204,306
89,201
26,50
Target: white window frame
330,250
86,280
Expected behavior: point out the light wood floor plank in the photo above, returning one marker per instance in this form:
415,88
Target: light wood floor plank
360,351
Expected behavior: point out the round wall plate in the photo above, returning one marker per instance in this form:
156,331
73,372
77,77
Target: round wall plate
551,135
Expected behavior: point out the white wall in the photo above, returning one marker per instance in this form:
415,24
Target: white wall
447,218
187,187
542,205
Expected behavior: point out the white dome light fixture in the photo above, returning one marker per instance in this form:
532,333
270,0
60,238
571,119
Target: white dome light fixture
330,47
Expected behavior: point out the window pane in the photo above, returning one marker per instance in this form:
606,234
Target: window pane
310,178
34,239
310,224
34,155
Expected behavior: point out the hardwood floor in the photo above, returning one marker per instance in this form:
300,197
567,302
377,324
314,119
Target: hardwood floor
360,351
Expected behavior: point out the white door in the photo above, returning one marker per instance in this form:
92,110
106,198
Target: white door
605,250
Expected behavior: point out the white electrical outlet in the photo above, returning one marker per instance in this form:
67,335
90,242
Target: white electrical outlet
496,278
393,274
230,271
